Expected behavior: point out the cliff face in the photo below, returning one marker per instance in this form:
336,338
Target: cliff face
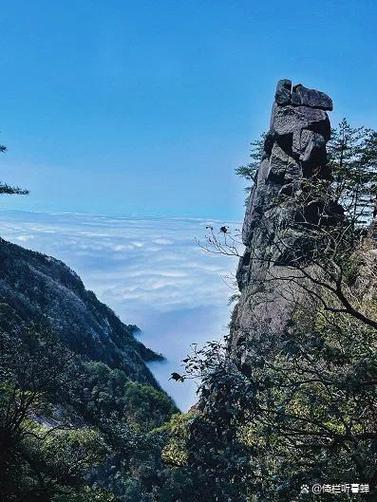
294,149
42,290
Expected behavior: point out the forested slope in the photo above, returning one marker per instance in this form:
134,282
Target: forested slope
43,290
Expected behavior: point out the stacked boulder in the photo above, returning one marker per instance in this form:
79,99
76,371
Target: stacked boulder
294,149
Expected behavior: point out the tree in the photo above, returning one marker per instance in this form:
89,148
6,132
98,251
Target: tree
42,452
8,189
353,163
248,171
302,406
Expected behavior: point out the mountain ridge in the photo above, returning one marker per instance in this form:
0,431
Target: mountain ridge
42,289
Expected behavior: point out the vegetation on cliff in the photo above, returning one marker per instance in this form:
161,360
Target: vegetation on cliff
289,404
78,405
287,399
70,427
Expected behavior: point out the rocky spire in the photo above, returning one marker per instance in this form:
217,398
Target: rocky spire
294,149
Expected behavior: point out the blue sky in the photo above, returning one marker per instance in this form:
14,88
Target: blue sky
146,107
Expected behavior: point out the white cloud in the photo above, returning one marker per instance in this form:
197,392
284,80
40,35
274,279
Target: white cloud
24,238
150,271
163,242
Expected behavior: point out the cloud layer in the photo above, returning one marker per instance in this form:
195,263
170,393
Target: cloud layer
150,271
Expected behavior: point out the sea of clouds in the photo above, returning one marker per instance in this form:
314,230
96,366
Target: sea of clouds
150,271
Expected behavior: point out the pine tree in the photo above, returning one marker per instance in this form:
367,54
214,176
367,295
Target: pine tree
249,170
353,162
8,189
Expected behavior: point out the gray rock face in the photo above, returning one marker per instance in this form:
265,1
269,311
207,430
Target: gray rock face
289,119
300,95
310,97
294,148
283,92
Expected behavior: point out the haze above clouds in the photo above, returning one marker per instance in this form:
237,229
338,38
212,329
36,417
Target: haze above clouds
150,271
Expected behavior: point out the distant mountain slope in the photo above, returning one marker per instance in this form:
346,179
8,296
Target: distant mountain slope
43,290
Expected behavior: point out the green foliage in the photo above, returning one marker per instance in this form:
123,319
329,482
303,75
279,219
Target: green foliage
352,155
146,406
85,494
55,445
302,410
353,162
300,407
248,171
71,452
175,451
41,451
7,189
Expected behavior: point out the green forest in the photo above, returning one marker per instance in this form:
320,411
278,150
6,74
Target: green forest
273,413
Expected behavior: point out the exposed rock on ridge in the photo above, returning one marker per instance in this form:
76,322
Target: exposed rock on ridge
294,149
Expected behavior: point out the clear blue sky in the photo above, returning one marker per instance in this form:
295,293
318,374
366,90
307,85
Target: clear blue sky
146,107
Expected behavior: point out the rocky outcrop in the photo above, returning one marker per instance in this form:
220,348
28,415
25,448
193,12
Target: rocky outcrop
43,291
301,96
294,149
